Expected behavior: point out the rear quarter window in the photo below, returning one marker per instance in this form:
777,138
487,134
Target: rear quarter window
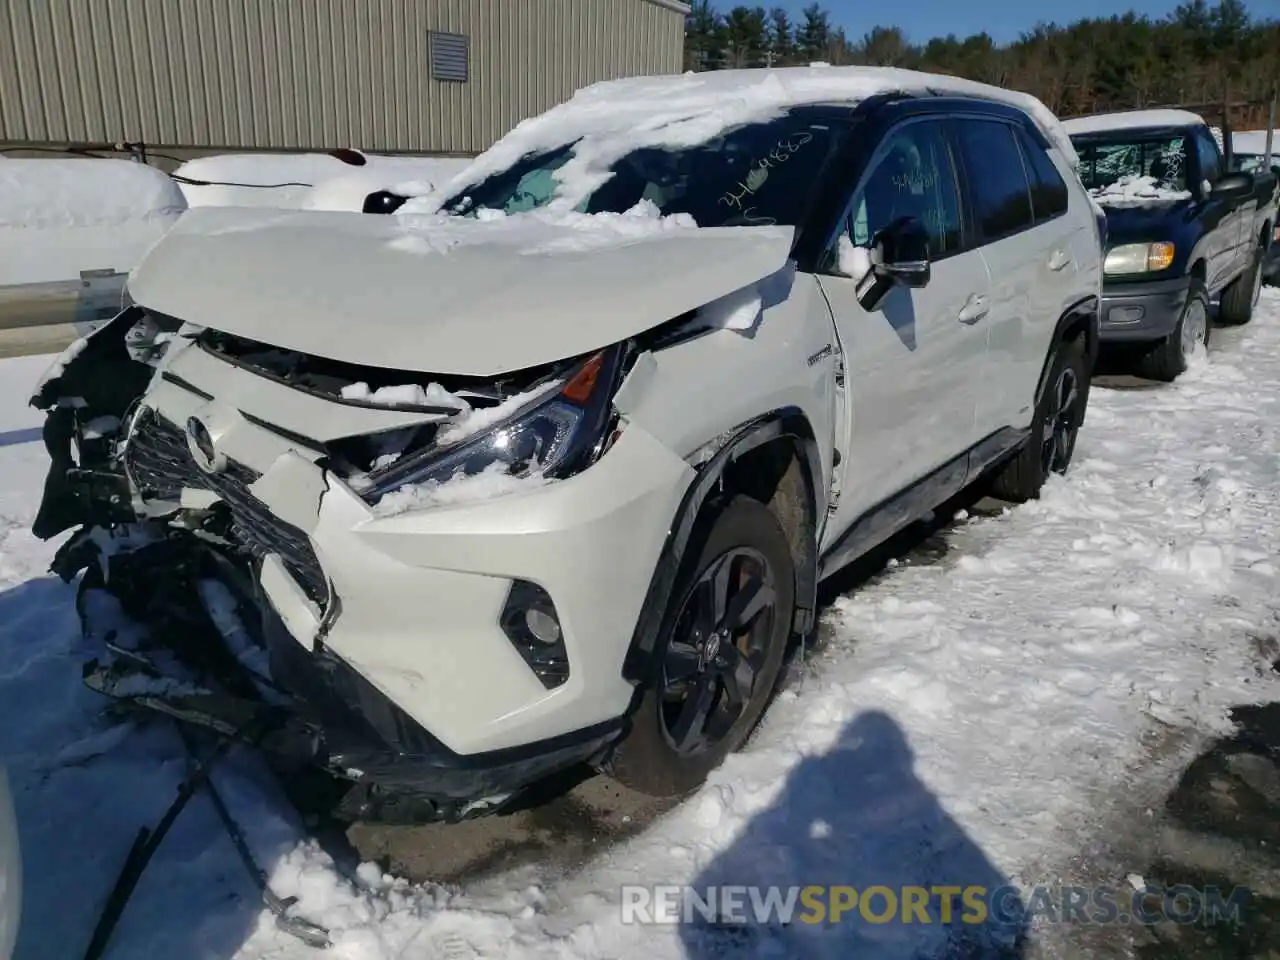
1048,190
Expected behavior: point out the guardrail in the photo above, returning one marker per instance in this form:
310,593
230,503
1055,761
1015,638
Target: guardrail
38,318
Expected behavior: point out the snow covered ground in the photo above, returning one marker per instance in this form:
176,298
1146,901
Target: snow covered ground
977,720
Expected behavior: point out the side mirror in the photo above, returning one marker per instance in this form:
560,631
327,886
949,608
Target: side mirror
1233,186
899,258
382,201
904,252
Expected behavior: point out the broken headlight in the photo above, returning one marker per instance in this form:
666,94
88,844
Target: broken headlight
562,429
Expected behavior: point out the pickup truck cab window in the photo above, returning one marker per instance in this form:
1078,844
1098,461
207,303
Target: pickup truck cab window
1209,155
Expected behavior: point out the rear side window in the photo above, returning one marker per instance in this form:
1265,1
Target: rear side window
1048,191
997,180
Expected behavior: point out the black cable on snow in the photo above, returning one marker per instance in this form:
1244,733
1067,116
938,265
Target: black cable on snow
144,847
310,933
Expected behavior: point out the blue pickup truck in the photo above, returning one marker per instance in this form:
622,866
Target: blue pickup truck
1182,229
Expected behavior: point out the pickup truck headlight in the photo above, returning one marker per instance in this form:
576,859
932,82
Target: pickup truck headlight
1138,258
559,432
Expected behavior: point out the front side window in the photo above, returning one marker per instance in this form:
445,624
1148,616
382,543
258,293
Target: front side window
755,174
914,177
1103,161
997,177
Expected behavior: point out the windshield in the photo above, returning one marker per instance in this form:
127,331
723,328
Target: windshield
1103,162
756,174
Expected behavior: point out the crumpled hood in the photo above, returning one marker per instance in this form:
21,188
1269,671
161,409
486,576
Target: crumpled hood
444,294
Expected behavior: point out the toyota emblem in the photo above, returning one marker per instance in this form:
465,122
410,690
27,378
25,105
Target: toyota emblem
200,443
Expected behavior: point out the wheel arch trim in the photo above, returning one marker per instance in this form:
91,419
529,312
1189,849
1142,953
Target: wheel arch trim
787,423
1085,313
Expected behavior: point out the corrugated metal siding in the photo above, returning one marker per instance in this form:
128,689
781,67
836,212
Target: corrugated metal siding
310,74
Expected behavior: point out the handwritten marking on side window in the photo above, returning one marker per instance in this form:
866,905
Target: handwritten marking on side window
782,151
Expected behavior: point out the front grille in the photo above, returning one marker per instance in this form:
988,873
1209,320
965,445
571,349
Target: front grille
161,465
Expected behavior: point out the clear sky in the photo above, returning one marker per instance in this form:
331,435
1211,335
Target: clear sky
1003,19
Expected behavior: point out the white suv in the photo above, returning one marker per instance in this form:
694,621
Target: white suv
545,469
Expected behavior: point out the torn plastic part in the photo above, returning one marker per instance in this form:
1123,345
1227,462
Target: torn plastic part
743,310
705,453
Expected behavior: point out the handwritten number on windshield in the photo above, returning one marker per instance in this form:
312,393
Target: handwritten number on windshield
782,151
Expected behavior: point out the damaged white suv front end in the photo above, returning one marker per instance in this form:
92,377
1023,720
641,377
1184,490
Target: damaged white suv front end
542,472
446,567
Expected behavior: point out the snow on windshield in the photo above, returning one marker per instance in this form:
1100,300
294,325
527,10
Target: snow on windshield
1137,191
760,174
607,122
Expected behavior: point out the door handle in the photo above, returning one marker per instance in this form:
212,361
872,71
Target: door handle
1059,260
975,308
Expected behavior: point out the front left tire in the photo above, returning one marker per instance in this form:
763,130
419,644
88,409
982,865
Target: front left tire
718,654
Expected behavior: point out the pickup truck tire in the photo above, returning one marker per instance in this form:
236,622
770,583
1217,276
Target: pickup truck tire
1059,413
1167,360
1242,294
744,548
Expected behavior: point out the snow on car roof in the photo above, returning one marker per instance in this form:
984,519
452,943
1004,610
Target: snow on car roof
1131,120
610,119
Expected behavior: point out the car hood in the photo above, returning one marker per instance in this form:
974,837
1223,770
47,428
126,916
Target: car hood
1151,222
444,294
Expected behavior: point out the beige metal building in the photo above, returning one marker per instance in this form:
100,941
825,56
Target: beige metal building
416,76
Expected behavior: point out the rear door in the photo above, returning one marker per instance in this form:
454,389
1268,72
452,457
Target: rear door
1021,261
911,366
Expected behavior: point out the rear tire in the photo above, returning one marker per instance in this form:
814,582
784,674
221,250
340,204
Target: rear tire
1242,294
1167,360
1058,416
708,683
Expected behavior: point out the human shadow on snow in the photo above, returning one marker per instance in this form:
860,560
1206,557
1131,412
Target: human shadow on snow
855,817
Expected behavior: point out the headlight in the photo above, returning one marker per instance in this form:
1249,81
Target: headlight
1138,258
560,431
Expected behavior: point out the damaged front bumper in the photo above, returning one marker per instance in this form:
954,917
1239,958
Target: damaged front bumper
386,633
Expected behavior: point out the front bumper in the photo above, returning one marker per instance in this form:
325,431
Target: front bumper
1142,311
411,603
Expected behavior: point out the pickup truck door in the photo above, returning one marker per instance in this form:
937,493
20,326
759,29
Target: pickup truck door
1226,220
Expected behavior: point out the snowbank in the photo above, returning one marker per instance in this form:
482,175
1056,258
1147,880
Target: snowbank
316,181
59,217
608,120
1254,143
1137,191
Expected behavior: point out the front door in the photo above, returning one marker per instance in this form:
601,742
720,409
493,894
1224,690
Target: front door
912,366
